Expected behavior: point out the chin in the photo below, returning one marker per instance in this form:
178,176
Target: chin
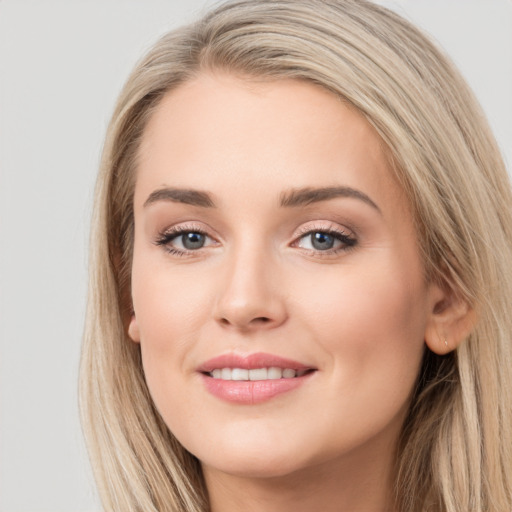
253,458
256,466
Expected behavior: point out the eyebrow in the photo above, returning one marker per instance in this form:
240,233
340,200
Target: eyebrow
291,199
181,195
306,196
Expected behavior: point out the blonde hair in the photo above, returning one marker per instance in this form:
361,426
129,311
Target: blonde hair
455,451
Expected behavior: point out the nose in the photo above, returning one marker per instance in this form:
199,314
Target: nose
252,295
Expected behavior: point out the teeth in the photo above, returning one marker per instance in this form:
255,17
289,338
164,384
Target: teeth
271,373
258,374
240,374
274,373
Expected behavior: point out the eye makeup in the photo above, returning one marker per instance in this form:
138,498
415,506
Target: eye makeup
184,240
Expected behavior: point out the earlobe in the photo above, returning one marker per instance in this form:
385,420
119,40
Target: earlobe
451,321
133,329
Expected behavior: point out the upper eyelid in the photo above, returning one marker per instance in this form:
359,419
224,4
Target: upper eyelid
165,236
187,227
325,226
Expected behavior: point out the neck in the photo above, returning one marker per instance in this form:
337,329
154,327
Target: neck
333,486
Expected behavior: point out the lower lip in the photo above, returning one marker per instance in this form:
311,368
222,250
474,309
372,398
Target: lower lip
251,392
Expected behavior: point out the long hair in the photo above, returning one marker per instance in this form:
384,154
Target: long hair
455,449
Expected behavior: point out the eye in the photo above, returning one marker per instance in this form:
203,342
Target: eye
180,241
326,240
190,240
319,241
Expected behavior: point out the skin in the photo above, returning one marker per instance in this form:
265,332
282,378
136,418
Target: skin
359,314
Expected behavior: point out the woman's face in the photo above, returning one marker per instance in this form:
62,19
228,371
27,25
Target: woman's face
273,243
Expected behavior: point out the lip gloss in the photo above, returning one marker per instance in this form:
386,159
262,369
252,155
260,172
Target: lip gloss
251,392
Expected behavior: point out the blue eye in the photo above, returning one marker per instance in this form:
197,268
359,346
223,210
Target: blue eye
326,241
192,240
181,241
322,241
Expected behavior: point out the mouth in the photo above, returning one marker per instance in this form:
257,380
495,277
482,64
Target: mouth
252,379
257,374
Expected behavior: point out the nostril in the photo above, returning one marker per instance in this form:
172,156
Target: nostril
261,319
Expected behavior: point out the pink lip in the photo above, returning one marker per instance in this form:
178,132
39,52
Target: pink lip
251,392
250,362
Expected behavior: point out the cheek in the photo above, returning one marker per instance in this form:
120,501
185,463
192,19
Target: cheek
371,327
171,309
168,302
378,300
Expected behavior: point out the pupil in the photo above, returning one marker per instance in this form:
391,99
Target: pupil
193,240
322,241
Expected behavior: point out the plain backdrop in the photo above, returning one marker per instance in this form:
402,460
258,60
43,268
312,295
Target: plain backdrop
62,64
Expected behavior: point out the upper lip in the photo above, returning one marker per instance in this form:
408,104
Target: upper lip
251,362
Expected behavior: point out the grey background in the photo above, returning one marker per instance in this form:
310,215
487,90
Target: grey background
62,64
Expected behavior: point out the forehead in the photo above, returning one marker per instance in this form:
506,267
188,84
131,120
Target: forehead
263,135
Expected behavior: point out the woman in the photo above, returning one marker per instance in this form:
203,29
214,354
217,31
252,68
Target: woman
300,273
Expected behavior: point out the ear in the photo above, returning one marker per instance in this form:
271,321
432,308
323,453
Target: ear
133,329
450,322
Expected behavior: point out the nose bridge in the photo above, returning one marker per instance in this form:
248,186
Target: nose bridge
249,295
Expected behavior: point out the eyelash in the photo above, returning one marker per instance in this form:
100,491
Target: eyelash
348,241
166,237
